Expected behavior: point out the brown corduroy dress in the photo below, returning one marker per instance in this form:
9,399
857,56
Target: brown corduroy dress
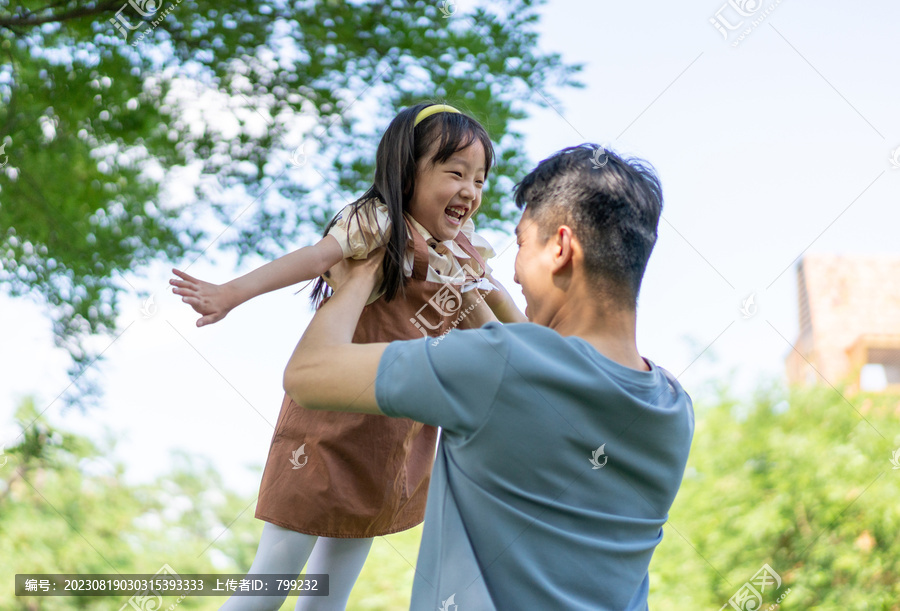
360,475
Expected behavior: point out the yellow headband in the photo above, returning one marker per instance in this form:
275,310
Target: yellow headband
432,110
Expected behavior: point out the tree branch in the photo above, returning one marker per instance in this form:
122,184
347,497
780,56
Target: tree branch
76,13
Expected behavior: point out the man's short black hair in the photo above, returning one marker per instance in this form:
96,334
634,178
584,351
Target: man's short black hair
612,204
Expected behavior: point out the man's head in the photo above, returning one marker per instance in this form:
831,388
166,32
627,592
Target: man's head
588,215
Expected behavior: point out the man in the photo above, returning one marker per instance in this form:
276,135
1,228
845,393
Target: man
562,448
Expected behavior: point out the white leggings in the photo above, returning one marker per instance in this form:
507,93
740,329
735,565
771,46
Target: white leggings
286,551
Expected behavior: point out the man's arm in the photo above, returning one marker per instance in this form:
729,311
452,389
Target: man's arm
327,371
474,305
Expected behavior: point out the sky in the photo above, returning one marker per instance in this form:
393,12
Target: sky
769,146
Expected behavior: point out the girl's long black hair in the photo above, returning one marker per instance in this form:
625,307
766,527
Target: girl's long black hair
402,146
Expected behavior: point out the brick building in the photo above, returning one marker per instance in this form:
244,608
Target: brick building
849,321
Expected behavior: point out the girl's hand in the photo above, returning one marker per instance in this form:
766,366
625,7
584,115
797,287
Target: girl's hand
366,270
212,301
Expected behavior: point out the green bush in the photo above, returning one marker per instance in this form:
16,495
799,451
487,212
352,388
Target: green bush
803,483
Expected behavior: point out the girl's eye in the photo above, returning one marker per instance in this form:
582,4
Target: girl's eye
456,173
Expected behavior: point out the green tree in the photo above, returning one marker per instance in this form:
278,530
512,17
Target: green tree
802,482
102,102
66,508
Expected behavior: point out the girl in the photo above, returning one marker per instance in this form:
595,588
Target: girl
334,480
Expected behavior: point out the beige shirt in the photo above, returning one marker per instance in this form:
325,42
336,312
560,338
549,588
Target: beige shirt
373,229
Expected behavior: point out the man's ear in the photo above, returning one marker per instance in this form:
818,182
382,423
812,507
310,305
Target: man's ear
564,246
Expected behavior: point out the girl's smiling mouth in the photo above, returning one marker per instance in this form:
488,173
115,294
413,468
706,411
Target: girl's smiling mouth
455,214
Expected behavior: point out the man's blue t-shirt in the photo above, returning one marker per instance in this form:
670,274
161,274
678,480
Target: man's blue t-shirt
555,470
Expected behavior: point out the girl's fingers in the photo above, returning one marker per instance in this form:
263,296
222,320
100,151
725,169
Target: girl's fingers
208,320
181,283
186,280
187,296
183,275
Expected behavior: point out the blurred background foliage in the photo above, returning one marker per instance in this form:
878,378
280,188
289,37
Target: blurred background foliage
65,508
140,130
756,492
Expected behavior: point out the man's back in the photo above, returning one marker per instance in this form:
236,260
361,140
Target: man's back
555,472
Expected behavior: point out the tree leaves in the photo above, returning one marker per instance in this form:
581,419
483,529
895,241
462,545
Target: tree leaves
102,104
801,482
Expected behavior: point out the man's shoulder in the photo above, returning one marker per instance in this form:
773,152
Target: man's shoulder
524,335
525,346
495,342
523,331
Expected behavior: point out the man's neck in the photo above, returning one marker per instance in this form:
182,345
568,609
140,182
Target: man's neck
610,332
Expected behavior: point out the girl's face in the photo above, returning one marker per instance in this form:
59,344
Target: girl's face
447,194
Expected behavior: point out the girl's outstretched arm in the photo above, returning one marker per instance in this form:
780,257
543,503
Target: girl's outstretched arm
502,304
214,301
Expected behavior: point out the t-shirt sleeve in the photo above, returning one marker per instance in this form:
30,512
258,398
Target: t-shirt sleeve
450,382
359,234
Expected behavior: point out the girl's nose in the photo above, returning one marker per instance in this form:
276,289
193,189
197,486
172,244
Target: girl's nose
468,191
